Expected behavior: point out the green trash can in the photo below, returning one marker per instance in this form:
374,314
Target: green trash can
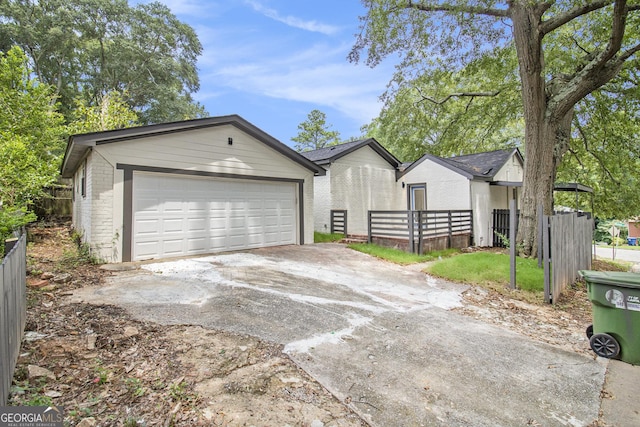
615,298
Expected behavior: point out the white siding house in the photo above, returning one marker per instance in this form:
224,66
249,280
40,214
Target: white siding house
185,188
479,182
361,176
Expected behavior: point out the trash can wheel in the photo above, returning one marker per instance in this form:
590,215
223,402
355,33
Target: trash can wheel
589,331
604,345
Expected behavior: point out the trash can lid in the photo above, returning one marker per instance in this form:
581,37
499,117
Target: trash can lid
616,278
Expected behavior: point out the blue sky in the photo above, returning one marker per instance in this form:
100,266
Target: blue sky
273,61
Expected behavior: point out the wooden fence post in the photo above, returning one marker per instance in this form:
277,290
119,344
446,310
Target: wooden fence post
412,243
546,247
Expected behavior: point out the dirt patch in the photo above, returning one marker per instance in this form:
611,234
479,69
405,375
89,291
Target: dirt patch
562,324
108,369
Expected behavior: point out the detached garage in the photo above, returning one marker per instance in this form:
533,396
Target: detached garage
186,188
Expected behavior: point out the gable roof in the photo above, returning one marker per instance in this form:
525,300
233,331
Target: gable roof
479,166
328,155
79,145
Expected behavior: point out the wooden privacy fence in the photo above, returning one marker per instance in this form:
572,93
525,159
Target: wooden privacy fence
13,306
565,243
58,202
339,221
416,230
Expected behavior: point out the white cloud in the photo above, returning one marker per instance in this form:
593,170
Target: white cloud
293,21
318,76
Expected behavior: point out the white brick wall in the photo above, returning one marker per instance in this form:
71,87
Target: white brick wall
362,181
82,204
102,232
322,203
98,199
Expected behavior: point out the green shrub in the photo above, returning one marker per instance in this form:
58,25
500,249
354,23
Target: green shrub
12,219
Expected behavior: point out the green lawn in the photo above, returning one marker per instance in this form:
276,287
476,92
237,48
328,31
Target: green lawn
326,237
489,269
400,257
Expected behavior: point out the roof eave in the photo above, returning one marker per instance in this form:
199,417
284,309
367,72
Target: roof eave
441,162
79,144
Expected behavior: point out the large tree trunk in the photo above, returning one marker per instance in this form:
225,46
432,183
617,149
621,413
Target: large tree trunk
538,158
542,158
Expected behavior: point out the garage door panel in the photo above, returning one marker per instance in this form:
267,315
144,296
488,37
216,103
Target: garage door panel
176,215
147,204
196,245
172,225
196,225
173,247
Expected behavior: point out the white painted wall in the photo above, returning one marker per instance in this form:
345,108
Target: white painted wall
92,214
82,204
362,181
322,202
102,231
446,189
511,171
482,213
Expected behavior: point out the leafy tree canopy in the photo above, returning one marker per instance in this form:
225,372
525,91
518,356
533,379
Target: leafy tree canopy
31,132
566,50
112,113
428,115
31,140
315,133
89,48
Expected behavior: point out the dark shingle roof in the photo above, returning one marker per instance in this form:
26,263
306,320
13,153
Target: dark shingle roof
473,166
330,154
481,164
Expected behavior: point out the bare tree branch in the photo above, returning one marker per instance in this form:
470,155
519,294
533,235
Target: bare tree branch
457,95
629,53
559,20
447,7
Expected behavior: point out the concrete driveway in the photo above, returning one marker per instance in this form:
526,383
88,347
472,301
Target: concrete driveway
381,337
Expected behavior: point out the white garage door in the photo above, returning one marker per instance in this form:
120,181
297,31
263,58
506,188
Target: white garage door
175,215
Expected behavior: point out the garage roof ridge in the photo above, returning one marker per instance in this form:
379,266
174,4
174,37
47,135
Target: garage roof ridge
79,144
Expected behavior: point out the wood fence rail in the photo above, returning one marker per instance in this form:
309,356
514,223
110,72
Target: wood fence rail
339,221
13,306
418,226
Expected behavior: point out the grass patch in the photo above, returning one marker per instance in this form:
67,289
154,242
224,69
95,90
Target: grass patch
490,270
327,237
400,257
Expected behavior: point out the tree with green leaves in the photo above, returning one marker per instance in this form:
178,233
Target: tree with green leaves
111,113
89,48
566,50
315,133
31,140
425,116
